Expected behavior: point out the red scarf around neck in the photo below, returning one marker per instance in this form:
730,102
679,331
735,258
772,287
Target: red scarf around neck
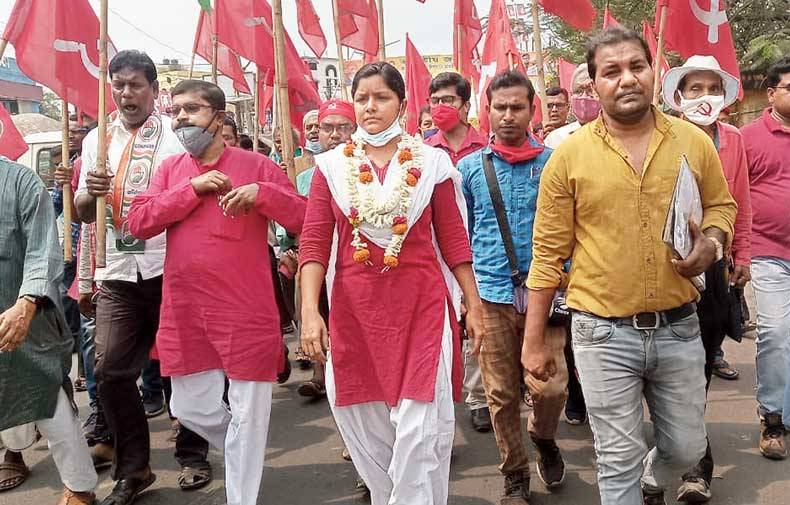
514,155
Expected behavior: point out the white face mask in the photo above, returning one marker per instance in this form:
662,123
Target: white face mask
383,138
704,110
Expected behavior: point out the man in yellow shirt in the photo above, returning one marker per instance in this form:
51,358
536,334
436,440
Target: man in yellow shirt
603,203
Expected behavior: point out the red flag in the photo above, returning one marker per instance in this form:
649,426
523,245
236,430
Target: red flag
499,54
579,14
246,27
56,45
359,25
12,145
650,36
609,20
310,27
418,80
700,27
227,61
466,36
266,96
565,71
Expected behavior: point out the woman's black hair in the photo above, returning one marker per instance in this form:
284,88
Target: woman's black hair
390,74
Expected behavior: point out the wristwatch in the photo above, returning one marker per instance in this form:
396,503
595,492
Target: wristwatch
719,248
35,300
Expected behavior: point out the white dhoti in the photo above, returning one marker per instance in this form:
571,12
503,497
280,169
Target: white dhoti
403,452
66,444
240,433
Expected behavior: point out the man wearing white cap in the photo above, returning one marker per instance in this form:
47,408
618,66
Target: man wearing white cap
584,105
700,90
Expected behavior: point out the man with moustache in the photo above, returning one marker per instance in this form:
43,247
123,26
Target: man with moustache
127,310
603,201
557,103
218,323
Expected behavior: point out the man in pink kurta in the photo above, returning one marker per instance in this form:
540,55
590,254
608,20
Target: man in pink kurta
219,317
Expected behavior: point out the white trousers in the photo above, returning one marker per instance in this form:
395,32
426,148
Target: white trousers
240,433
402,452
66,443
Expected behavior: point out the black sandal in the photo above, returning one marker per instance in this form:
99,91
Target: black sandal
194,478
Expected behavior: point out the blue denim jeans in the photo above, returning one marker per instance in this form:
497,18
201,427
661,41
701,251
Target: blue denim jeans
618,366
88,350
771,283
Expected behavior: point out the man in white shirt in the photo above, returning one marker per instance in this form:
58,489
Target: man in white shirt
127,310
584,105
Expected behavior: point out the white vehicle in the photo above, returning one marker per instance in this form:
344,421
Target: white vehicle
38,155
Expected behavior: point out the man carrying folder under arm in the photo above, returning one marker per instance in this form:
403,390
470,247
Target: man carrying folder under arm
603,203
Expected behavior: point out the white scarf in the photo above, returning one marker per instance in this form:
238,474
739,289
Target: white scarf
436,168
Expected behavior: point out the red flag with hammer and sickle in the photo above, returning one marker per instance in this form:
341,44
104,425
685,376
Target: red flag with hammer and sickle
700,27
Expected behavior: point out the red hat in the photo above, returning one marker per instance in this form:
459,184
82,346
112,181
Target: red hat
336,107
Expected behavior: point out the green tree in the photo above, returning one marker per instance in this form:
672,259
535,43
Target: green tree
50,106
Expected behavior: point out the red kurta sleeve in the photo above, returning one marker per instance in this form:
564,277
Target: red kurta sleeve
161,205
277,198
448,224
319,224
742,238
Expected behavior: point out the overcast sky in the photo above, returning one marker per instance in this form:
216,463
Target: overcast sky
166,28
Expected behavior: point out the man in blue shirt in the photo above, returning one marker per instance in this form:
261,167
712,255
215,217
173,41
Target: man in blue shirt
517,161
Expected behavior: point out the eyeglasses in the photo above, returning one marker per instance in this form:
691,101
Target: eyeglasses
786,88
343,129
446,100
556,106
190,108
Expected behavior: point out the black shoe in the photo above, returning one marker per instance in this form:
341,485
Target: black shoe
575,418
283,376
154,404
653,498
126,490
96,429
481,420
516,489
551,468
694,490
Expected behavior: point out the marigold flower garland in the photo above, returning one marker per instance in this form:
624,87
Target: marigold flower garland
392,212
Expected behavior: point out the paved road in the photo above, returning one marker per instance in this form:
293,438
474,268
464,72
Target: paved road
304,465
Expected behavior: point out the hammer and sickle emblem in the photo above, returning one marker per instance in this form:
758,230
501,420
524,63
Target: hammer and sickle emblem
713,18
70,46
259,21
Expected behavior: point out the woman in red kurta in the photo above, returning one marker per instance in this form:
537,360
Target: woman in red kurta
384,224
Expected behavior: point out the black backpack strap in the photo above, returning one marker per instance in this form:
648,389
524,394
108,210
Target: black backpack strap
501,217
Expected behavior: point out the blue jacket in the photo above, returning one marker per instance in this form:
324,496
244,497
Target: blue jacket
519,185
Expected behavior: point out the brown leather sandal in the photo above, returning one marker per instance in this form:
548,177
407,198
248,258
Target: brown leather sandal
12,475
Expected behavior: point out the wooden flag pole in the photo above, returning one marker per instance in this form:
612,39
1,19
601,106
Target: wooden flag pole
257,105
214,51
3,45
510,63
340,63
68,198
539,50
101,155
382,44
192,66
281,83
659,53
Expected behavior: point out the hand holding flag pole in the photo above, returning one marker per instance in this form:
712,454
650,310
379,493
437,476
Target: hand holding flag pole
68,199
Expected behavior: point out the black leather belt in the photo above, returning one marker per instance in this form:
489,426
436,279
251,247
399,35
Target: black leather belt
655,320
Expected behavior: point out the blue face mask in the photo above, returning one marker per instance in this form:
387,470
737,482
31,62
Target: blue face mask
314,146
429,133
383,138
